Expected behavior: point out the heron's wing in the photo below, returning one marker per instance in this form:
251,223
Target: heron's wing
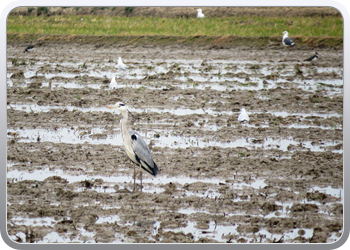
143,153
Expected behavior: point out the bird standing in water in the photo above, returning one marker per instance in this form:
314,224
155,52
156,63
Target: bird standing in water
243,116
113,83
121,65
135,146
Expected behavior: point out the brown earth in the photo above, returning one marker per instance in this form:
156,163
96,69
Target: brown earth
207,42
207,185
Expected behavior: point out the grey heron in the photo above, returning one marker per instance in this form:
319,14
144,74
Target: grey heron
135,146
286,40
243,116
121,65
200,14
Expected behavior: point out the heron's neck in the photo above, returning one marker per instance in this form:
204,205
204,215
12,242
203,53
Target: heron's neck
124,129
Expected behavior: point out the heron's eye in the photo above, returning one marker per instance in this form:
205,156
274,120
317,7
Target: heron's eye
121,104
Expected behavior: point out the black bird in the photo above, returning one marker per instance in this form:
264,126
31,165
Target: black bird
29,48
312,58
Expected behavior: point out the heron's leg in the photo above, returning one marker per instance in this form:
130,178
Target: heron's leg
141,177
134,177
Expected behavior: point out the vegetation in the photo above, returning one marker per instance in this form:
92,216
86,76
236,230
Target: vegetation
253,26
129,9
42,10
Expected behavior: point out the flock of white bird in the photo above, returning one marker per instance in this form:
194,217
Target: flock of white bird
135,146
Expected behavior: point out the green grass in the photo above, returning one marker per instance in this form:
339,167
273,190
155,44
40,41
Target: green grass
225,26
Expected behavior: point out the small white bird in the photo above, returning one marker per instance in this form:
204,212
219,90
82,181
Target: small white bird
200,14
243,116
286,40
121,65
113,84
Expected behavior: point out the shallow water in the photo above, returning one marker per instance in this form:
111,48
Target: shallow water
175,111
218,75
76,135
204,183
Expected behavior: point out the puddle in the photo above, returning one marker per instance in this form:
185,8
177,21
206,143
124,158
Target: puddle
67,135
41,175
108,219
292,234
301,126
177,111
84,236
216,232
73,136
268,143
42,221
214,78
335,192
52,237
211,75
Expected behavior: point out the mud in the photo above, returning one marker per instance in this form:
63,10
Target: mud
278,178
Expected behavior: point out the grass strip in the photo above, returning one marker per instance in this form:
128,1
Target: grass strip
246,26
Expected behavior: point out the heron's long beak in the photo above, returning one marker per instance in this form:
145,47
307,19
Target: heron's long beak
113,107
131,114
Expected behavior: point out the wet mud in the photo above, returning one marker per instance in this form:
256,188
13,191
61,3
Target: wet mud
278,178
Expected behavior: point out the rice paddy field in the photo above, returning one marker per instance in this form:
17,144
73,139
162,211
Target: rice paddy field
276,179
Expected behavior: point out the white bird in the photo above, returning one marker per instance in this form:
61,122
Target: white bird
286,40
200,14
243,116
113,84
121,65
135,147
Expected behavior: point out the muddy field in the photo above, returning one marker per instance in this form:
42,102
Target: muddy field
278,178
